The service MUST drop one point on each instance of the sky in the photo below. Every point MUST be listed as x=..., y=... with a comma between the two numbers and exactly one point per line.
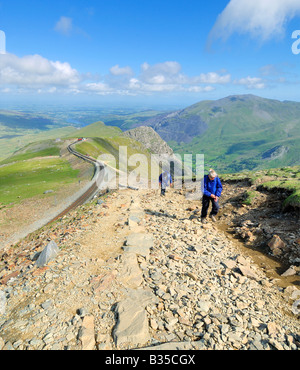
x=158, y=51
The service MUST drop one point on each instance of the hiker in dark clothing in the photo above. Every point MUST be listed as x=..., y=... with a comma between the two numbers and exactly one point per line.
x=165, y=179
x=212, y=190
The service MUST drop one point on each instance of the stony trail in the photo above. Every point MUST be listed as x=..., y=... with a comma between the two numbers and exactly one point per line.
x=136, y=270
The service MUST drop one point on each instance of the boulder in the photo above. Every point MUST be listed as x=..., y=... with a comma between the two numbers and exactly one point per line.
x=290, y=272
x=48, y=254
x=276, y=245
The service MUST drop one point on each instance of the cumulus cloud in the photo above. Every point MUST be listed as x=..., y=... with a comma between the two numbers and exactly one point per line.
x=261, y=19
x=251, y=83
x=161, y=73
x=158, y=78
x=212, y=78
x=119, y=71
x=34, y=71
x=169, y=75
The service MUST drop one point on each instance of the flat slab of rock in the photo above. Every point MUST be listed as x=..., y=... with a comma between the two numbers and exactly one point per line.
x=139, y=243
x=130, y=273
x=248, y=272
x=132, y=326
x=136, y=239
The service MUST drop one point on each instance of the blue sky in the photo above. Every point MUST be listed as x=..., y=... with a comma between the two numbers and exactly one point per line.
x=168, y=51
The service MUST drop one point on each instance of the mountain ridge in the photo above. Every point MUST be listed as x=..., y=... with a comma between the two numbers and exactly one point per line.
x=236, y=132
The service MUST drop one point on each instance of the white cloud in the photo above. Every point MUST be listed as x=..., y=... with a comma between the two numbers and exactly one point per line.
x=98, y=88
x=161, y=73
x=168, y=76
x=64, y=26
x=251, y=82
x=262, y=19
x=34, y=71
x=118, y=71
x=213, y=78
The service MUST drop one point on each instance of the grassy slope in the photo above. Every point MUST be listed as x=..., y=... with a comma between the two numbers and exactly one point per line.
x=26, y=179
x=34, y=169
x=97, y=129
x=100, y=146
x=107, y=140
x=286, y=179
x=241, y=131
x=24, y=137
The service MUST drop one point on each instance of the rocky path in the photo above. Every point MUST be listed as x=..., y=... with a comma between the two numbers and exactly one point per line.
x=136, y=270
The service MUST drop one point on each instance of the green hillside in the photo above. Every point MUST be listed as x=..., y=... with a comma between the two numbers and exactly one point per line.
x=97, y=129
x=37, y=149
x=236, y=133
x=16, y=139
x=33, y=170
x=97, y=146
x=286, y=180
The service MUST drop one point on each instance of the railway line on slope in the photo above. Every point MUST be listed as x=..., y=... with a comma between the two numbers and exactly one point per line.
x=92, y=190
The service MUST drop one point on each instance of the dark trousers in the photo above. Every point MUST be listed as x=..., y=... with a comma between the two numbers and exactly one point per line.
x=205, y=205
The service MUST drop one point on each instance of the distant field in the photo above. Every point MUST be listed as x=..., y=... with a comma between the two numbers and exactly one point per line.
x=54, y=151
x=19, y=138
x=26, y=179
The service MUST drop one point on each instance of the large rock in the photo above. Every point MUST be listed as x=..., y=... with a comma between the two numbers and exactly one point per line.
x=136, y=239
x=132, y=326
x=48, y=254
x=276, y=245
x=139, y=243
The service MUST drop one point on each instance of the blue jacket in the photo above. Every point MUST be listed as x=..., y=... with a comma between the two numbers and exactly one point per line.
x=210, y=187
x=165, y=179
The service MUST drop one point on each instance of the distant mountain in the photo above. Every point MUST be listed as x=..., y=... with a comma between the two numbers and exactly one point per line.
x=235, y=133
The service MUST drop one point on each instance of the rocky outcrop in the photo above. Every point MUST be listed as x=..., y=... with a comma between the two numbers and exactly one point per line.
x=150, y=139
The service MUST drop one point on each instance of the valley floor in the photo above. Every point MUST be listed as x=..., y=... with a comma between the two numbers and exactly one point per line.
x=136, y=270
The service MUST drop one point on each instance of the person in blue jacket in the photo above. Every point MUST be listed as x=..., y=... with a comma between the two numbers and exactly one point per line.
x=165, y=179
x=212, y=190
